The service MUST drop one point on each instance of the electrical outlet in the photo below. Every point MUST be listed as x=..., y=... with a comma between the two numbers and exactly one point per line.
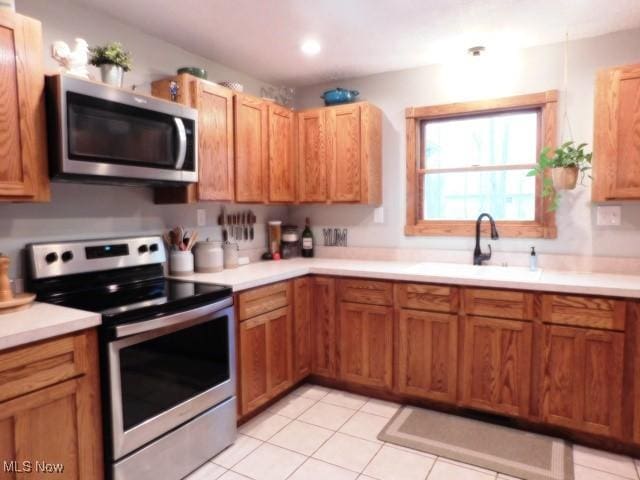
x=201, y=217
x=609, y=215
x=378, y=215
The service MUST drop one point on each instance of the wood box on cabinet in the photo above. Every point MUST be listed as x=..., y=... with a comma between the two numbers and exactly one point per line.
x=340, y=154
x=23, y=142
x=50, y=405
x=215, y=140
x=616, y=149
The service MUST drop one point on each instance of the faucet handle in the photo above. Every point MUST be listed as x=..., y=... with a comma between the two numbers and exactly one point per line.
x=488, y=255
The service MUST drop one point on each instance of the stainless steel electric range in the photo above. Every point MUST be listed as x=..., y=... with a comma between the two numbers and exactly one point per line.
x=167, y=352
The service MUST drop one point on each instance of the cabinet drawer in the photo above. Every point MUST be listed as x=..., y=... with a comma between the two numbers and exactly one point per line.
x=579, y=311
x=435, y=298
x=30, y=368
x=487, y=302
x=365, y=291
x=263, y=300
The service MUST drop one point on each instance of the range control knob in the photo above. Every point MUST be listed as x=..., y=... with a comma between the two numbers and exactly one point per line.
x=143, y=249
x=51, y=257
x=153, y=247
x=67, y=256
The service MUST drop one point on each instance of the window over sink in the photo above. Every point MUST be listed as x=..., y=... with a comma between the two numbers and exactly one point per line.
x=467, y=158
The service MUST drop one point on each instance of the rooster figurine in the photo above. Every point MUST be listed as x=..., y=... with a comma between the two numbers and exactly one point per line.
x=73, y=61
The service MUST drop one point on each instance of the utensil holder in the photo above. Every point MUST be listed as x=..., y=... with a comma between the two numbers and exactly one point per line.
x=181, y=263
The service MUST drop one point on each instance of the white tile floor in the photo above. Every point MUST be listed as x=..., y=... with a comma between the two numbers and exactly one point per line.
x=320, y=434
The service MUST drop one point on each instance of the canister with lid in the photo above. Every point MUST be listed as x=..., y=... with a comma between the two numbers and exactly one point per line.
x=209, y=257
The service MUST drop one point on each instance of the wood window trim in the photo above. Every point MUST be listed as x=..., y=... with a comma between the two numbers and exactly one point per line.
x=544, y=225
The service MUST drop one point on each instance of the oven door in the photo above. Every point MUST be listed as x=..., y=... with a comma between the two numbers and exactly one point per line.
x=165, y=371
x=115, y=134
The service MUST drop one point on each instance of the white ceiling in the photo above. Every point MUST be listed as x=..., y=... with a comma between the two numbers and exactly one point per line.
x=361, y=37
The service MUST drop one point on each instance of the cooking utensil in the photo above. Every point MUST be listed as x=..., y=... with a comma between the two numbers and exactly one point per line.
x=252, y=221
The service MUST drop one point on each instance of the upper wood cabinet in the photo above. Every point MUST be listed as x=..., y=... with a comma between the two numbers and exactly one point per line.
x=340, y=154
x=215, y=140
x=616, y=154
x=281, y=167
x=582, y=379
x=496, y=368
x=23, y=141
x=251, y=148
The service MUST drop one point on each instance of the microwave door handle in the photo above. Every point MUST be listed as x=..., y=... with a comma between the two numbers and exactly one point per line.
x=182, y=143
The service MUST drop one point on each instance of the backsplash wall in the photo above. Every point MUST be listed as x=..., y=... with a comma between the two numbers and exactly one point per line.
x=532, y=70
x=81, y=211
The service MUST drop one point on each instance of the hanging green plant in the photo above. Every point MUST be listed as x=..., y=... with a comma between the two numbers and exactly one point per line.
x=566, y=162
x=111, y=54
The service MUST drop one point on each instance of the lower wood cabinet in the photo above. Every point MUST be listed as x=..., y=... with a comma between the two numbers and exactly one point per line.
x=366, y=344
x=302, y=291
x=56, y=418
x=496, y=369
x=427, y=354
x=265, y=357
x=323, y=327
x=582, y=379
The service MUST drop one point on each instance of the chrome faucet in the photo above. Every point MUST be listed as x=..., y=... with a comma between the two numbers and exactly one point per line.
x=478, y=256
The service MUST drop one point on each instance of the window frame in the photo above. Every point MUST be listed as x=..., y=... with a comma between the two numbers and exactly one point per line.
x=544, y=223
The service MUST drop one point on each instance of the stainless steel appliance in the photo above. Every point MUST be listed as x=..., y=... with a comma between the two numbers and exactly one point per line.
x=104, y=134
x=167, y=352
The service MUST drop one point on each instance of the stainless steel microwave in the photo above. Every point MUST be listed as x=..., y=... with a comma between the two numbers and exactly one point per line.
x=102, y=134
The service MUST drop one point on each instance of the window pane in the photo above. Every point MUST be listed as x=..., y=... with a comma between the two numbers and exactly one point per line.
x=500, y=139
x=506, y=195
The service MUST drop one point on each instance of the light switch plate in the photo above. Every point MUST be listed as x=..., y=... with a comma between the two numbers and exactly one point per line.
x=608, y=215
x=201, y=217
x=378, y=215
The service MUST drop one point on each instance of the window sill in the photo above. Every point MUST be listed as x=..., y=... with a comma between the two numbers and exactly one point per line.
x=437, y=228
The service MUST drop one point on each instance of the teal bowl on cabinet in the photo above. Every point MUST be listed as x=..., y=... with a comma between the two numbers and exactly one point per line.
x=338, y=96
x=195, y=71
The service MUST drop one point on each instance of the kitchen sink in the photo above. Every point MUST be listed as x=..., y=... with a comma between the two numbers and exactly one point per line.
x=484, y=272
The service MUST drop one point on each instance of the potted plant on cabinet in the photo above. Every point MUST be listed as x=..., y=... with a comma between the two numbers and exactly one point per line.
x=113, y=61
x=565, y=162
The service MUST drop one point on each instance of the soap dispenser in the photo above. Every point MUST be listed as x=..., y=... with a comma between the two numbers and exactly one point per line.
x=533, y=260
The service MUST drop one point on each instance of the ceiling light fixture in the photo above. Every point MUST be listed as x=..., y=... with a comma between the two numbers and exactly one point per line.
x=476, y=51
x=310, y=47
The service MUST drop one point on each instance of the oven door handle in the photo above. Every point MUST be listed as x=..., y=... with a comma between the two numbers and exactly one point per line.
x=182, y=142
x=171, y=320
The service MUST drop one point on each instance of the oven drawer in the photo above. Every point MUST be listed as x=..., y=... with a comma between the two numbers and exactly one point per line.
x=263, y=300
x=39, y=365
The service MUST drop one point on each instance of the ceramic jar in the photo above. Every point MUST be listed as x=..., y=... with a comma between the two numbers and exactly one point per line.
x=180, y=262
x=209, y=257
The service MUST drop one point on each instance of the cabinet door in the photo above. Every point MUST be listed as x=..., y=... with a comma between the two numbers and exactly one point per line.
x=496, y=366
x=345, y=159
x=265, y=357
x=301, y=327
x=57, y=425
x=282, y=159
x=428, y=354
x=616, y=144
x=23, y=149
x=366, y=344
x=312, y=156
x=251, y=148
x=215, y=140
x=323, y=327
x=582, y=379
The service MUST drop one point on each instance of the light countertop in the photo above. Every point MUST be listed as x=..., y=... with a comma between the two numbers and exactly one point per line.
x=41, y=321
x=262, y=273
